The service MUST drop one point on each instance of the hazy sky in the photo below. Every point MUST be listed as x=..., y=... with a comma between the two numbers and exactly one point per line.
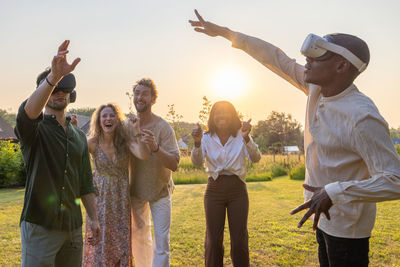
x=122, y=41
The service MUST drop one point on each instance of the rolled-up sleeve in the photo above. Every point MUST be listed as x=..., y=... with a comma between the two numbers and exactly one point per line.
x=197, y=156
x=253, y=152
x=371, y=139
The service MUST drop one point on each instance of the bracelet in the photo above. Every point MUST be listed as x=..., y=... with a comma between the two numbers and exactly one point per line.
x=137, y=135
x=158, y=148
x=47, y=80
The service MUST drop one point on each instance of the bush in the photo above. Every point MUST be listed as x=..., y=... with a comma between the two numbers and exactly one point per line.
x=278, y=170
x=298, y=173
x=12, y=171
x=397, y=146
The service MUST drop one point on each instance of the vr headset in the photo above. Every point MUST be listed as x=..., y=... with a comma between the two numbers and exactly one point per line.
x=315, y=46
x=67, y=85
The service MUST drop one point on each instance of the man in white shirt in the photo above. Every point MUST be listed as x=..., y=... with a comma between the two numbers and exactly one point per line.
x=350, y=159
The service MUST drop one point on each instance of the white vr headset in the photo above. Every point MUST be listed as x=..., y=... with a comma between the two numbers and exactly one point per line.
x=315, y=46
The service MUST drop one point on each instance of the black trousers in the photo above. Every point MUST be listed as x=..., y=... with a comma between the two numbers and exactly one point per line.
x=226, y=194
x=336, y=251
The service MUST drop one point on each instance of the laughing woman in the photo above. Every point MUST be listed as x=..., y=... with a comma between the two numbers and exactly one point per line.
x=225, y=147
x=111, y=151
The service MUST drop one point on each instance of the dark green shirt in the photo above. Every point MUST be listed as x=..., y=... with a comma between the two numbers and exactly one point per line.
x=58, y=171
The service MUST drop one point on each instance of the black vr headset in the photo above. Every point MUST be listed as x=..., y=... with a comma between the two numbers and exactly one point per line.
x=67, y=85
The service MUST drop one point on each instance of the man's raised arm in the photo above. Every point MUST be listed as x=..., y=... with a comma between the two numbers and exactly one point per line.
x=59, y=68
x=267, y=54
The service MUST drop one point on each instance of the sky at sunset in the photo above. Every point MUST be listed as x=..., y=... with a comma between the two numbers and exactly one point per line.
x=120, y=42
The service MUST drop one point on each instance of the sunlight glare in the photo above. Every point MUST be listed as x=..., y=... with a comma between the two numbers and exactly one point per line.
x=229, y=84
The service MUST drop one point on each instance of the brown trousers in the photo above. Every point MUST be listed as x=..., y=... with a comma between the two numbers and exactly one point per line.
x=227, y=193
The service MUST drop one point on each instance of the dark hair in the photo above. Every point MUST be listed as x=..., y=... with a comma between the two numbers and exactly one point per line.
x=148, y=83
x=235, y=123
x=42, y=75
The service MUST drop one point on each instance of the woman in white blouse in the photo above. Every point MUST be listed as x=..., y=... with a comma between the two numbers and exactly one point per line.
x=225, y=147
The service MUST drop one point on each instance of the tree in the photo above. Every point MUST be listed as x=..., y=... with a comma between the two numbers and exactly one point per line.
x=82, y=111
x=394, y=133
x=205, y=111
x=174, y=120
x=8, y=117
x=279, y=128
x=130, y=96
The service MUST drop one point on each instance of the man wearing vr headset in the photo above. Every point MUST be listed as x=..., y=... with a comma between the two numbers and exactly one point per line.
x=58, y=171
x=350, y=159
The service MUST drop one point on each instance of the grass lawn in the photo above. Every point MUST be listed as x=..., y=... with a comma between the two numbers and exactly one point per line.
x=274, y=239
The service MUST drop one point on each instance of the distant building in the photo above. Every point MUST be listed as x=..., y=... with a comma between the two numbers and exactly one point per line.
x=6, y=130
x=291, y=149
x=83, y=123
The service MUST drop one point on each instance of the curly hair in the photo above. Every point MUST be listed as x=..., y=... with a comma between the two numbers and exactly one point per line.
x=147, y=82
x=235, y=123
x=120, y=136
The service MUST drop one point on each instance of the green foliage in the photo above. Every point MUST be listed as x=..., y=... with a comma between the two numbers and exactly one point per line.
x=82, y=111
x=130, y=97
x=12, y=171
x=274, y=239
x=394, y=133
x=8, y=116
x=278, y=169
x=397, y=146
x=298, y=173
x=264, y=170
x=278, y=128
x=205, y=111
x=174, y=120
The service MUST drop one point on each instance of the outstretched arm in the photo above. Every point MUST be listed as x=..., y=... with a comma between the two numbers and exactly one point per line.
x=267, y=54
x=59, y=68
x=210, y=28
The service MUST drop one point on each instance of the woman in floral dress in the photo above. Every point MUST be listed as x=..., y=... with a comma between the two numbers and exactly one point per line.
x=112, y=149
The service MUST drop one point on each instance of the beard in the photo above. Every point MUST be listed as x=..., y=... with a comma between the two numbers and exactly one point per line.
x=57, y=105
x=142, y=108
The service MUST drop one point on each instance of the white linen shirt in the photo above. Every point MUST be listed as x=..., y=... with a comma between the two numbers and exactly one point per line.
x=347, y=145
x=227, y=159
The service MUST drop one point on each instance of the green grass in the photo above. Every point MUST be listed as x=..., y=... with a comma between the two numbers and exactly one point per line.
x=274, y=239
x=264, y=170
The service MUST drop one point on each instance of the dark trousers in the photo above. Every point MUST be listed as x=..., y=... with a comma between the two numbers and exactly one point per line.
x=227, y=193
x=343, y=252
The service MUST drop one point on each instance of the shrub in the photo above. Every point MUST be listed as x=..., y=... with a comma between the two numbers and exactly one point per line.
x=298, y=173
x=12, y=171
x=397, y=146
x=278, y=170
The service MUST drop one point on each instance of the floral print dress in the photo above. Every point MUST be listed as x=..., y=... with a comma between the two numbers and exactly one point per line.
x=111, y=181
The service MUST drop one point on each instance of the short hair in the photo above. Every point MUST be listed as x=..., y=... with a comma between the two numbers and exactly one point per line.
x=42, y=75
x=353, y=43
x=235, y=123
x=148, y=83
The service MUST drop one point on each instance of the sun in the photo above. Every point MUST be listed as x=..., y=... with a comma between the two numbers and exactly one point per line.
x=228, y=83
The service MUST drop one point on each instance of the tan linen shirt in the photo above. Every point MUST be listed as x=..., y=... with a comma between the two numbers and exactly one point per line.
x=347, y=144
x=150, y=179
x=227, y=159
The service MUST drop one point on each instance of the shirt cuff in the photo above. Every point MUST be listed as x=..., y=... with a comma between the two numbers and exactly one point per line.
x=251, y=145
x=335, y=193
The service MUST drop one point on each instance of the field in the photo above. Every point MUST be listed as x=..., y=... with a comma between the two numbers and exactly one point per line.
x=274, y=239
